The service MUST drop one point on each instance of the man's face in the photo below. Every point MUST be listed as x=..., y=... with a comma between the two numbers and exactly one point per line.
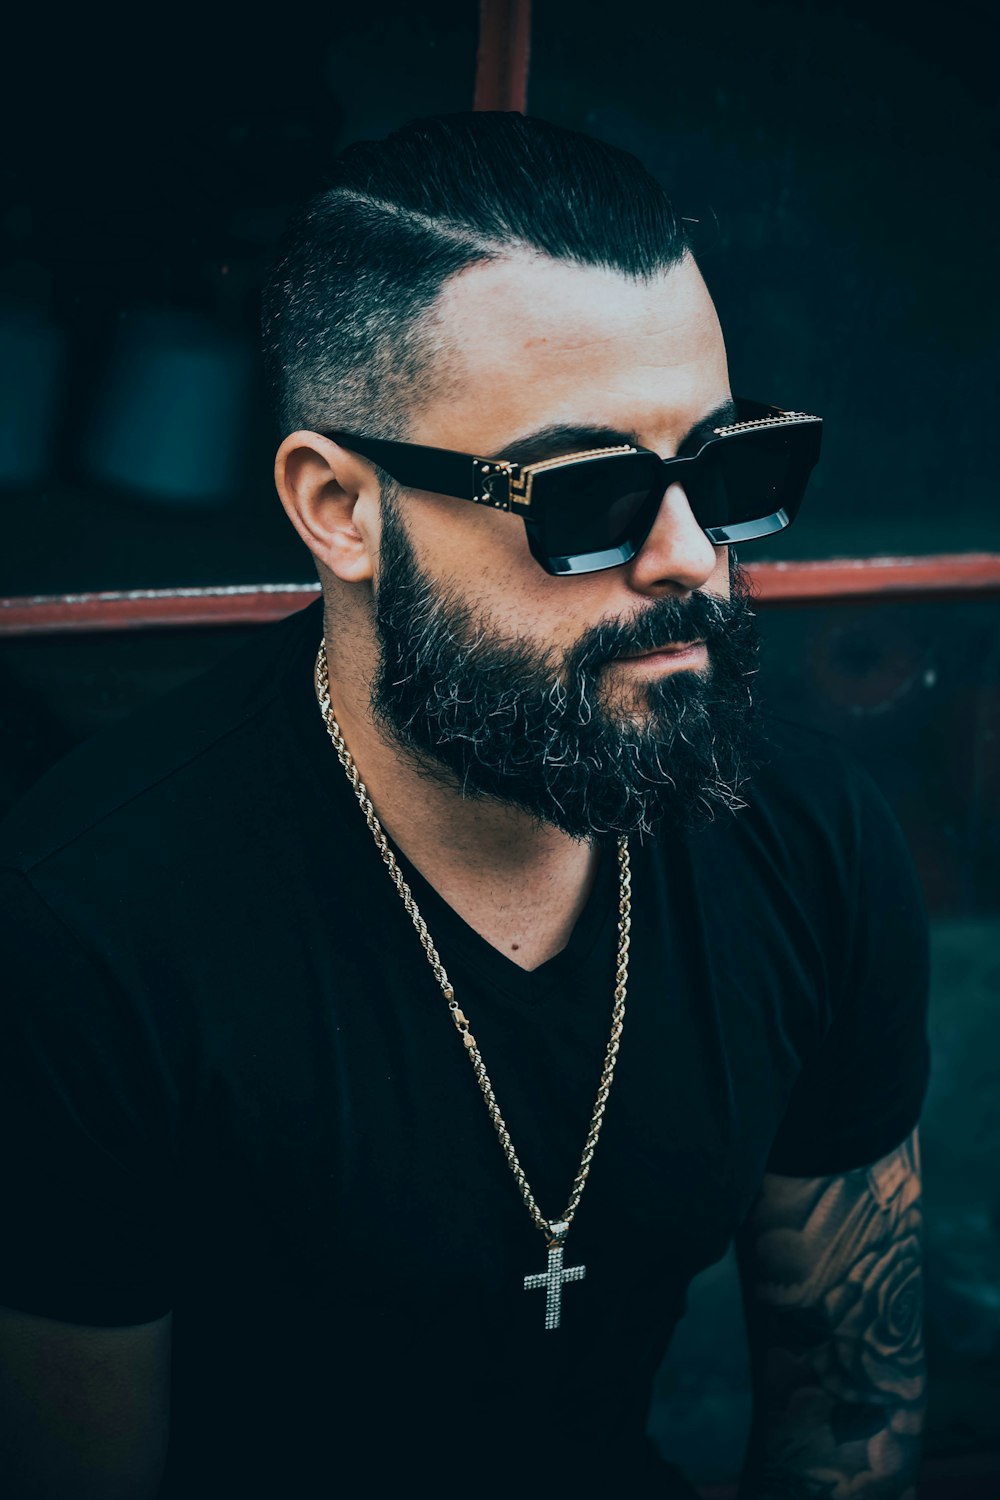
x=543, y=692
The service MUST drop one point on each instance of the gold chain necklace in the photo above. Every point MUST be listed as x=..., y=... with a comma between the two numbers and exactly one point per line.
x=555, y=1230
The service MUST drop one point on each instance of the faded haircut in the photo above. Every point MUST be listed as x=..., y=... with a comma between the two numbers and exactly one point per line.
x=348, y=328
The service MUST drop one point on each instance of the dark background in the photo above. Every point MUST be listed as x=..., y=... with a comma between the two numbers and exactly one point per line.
x=837, y=163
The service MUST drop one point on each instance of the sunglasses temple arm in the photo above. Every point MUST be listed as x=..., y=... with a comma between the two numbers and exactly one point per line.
x=440, y=470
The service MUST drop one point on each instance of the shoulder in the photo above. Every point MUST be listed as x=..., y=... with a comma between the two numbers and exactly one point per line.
x=816, y=790
x=814, y=869
x=810, y=807
x=798, y=767
x=137, y=772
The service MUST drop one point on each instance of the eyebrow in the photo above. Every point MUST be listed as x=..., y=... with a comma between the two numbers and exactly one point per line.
x=554, y=441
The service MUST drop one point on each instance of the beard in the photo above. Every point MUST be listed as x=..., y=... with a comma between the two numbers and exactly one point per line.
x=502, y=718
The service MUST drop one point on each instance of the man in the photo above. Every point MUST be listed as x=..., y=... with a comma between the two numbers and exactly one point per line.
x=403, y=1014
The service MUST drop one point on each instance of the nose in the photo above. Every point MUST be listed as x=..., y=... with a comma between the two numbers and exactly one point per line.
x=676, y=551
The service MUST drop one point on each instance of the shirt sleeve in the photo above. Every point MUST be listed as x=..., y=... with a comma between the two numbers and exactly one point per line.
x=86, y=1172
x=860, y=1093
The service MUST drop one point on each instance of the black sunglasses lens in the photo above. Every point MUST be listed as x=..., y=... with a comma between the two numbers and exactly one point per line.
x=749, y=478
x=597, y=506
x=598, y=513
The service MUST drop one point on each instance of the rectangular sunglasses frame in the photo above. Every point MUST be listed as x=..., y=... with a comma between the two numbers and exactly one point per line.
x=519, y=489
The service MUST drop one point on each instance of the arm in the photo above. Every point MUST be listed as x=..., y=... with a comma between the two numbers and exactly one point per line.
x=88, y=1219
x=84, y=1411
x=831, y=1276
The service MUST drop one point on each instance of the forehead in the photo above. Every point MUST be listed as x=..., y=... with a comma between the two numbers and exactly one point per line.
x=531, y=342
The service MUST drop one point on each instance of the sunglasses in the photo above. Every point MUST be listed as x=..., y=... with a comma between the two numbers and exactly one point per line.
x=589, y=511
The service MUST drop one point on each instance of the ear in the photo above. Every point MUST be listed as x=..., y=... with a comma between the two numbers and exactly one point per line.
x=331, y=498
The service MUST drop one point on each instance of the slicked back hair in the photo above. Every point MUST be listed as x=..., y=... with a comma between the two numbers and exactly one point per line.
x=348, y=340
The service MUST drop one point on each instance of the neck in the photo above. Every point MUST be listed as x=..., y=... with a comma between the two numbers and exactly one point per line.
x=520, y=884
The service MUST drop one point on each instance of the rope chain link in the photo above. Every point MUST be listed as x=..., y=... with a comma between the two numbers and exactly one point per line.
x=440, y=974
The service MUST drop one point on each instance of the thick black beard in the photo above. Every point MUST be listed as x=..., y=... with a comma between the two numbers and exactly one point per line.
x=503, y=719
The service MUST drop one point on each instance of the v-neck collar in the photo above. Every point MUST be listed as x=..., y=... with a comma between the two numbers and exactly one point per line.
x=506, y=978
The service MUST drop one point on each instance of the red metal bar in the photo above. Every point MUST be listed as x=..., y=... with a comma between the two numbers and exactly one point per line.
x=148, y=609
x=839, y=580
x=502, y=59
x=843, y=580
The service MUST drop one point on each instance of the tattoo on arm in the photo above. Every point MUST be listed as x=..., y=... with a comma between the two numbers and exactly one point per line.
x=831, y=1269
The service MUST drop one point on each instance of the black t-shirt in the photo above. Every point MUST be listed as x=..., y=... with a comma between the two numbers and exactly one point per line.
x=230, y=1086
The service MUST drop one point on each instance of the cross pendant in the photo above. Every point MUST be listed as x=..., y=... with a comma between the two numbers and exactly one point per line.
x=552, y=1279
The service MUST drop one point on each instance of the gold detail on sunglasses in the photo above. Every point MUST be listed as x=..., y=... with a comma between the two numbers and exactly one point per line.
x=779, y=420
x=521, y=482
x=492, y=483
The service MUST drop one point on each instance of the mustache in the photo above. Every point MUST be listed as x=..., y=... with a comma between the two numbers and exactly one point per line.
x=666, y=622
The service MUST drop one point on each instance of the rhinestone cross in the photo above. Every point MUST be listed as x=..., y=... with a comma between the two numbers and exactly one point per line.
x=552, y=1279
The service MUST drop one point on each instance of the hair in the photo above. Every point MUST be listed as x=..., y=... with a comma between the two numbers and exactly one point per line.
x=348, y=340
